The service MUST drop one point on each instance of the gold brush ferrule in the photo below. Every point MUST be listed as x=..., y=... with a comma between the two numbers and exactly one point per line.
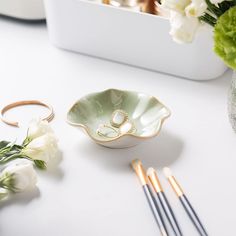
x=139, y=170
x=176, y=187
x=154, y=180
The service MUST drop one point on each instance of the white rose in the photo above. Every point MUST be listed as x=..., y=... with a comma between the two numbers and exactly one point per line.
x=43, y=148
x=197, y=8
x=37, y=128
x=176, y=5
x=22, y=177
x=183, y=28
x=216, y=1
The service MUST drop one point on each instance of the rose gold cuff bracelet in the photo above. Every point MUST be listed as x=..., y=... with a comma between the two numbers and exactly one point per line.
x=23, y=103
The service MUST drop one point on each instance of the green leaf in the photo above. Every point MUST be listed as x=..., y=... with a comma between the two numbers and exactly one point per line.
x=40, y=164
x=5, y=159
x=4, y=144
x=226, y=5
x=3, y=195
x=16, y=147
x=12, y=152
x=208, y=19
x=10, y=149
x=213, y=8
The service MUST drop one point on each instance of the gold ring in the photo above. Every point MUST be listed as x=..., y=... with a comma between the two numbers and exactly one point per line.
x=122, y=117
x=23, y=103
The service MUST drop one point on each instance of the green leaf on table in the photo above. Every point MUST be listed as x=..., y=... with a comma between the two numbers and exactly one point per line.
x=12, y=152
x=4, y=144
x=16, y=147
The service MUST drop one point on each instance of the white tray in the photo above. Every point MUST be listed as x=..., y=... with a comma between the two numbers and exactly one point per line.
x=23, y=9
x=129, y=37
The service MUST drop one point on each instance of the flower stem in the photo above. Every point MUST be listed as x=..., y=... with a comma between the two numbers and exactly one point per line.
x=208, y=19
x=26, y=141
x=10, y=158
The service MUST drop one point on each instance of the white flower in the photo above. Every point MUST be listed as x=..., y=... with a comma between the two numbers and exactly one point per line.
x=19, y=177
x=196, y=8
x=183, y=28
x=176, y=5
x=216, y=1
x=37, y=128
x=43, y=148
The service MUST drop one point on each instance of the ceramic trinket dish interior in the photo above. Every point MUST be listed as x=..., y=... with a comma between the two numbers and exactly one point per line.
x=118, y=119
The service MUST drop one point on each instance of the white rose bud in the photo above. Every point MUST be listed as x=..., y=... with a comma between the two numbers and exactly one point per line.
x=196, y=9
x=18, y=177
x=37, y=128
x=43, y=148
x=183, y=28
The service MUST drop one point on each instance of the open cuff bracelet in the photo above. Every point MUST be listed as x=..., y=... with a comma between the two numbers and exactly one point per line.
x=48, y=118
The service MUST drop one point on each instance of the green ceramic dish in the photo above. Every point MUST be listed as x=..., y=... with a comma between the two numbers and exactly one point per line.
x=145, y=112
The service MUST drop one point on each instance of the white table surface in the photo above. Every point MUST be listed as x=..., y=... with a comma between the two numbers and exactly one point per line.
x=94, y=191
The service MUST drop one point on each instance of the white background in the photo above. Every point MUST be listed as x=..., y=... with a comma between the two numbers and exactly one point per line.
x=94, y=191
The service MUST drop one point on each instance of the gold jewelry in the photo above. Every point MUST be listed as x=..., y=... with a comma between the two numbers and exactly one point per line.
x=107, y=131
x=120, y=125
x=127, y=128
x=118, y=118
x=23, y=103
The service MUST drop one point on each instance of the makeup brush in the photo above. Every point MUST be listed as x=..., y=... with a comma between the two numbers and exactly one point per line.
x=138, y=168
x=162, y=201
x=185, y=202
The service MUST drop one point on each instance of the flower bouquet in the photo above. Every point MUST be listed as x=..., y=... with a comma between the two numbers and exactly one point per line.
x=39, y=148
x=188, y=16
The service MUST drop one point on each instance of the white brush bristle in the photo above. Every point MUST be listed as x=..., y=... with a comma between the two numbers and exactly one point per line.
x=150, y=171
x=167, y=172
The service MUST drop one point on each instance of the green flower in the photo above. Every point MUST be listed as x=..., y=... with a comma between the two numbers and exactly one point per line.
x=225, y=37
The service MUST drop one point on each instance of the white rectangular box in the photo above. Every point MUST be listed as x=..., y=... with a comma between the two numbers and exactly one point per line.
x=130, y=37
x=23, y=9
